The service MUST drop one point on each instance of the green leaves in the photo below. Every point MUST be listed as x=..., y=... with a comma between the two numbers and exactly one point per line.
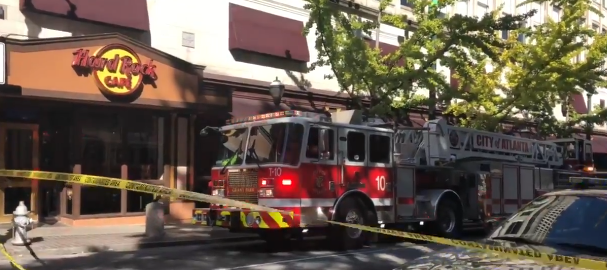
x=394, y=81
x=548, y=69
x=497, y=78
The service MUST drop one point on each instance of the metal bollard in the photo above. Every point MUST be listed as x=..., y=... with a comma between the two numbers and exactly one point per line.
x=21, y=220
x=154, y=219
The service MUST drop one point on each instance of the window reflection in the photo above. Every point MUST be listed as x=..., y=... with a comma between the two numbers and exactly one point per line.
x=142, y=152
x=111, y=141
x=14, y=195
x=101, y=142
x=18, y=149
x=18, y=155
x=558, y=220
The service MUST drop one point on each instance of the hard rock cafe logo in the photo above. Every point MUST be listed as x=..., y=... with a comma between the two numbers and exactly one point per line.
x=117, y=69
x=319, y=180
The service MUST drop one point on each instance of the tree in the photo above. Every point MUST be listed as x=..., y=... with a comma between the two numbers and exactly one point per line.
x=533, y=76
x=391, y=82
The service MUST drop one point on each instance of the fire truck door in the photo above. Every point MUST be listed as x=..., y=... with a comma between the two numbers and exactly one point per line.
x=379, y=168
x=352, y=160
x=319, y=166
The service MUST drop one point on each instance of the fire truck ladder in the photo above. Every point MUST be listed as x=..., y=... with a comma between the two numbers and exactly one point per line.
x=438, y=143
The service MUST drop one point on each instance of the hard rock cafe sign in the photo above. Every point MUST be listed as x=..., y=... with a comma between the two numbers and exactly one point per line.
x=117, y=69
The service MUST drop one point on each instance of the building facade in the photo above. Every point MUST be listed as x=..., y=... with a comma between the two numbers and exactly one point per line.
x=246, y=45
x=112, y=96
x=61, y=113
x=213, y=60
x=101, y=105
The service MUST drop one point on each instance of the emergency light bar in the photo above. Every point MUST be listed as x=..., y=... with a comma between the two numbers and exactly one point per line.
x=588, y=181
x=264, y=116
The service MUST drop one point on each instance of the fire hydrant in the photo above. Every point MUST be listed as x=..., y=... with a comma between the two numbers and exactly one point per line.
x=21, y=220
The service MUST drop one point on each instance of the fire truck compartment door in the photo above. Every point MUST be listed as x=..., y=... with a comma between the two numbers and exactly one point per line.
x=472, y=206
x=511, y=189
x=405, y=191
x=527, y=184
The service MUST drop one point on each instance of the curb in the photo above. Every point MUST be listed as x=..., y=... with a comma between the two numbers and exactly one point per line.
x=23, y=251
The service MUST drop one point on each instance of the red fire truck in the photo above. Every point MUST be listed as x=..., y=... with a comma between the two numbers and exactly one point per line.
x=344, y=168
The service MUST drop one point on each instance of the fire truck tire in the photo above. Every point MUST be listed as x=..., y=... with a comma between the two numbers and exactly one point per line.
x=449, y=219
x=350, y=210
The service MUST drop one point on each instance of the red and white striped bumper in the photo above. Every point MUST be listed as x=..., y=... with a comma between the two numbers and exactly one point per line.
x=241, y=219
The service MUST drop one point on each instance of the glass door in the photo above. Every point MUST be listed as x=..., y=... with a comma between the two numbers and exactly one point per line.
x=18, y=151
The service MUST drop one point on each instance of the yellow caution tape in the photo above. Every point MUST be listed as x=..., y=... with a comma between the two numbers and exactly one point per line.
x=116, y=183
x=10, y=258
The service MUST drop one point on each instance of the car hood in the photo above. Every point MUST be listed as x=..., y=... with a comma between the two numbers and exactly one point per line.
x=462, y=258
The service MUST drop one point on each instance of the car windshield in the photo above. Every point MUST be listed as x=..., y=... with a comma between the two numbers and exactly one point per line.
x=560, y=221
x=275, y=143
x=232, y=150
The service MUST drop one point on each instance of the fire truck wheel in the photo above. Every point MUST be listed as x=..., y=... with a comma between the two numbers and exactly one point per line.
x=449, y=221
x=351, y=210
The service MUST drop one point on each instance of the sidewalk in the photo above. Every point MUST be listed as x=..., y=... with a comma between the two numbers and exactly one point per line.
x=63, y=240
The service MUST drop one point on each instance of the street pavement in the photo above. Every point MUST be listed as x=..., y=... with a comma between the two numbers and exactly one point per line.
x=252, y=255
x=63, y=240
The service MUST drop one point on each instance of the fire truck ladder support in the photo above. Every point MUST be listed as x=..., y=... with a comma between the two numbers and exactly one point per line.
x=438, y=143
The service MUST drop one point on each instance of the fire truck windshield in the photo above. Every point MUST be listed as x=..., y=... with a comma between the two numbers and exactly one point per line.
x=275, y=143
x=233, y=147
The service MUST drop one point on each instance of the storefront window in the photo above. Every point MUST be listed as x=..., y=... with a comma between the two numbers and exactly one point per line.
x=111, y=142
x=101, y=155
x=18, y=150
x=143, y=147
x=55, y=150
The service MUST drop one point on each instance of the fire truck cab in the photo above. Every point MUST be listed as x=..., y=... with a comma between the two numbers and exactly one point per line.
x=348, y=169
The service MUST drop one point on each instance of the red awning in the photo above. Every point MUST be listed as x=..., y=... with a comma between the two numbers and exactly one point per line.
x=125, y=13
x=599, y=144
x=385, y=48
x=578, y=103
x=413, y=119
x=417, y=120
x=256, y=31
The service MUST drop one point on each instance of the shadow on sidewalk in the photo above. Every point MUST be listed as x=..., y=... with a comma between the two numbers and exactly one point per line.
x=226, y=257
x=94, y=246
x=9, y=234
x=152, y=254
